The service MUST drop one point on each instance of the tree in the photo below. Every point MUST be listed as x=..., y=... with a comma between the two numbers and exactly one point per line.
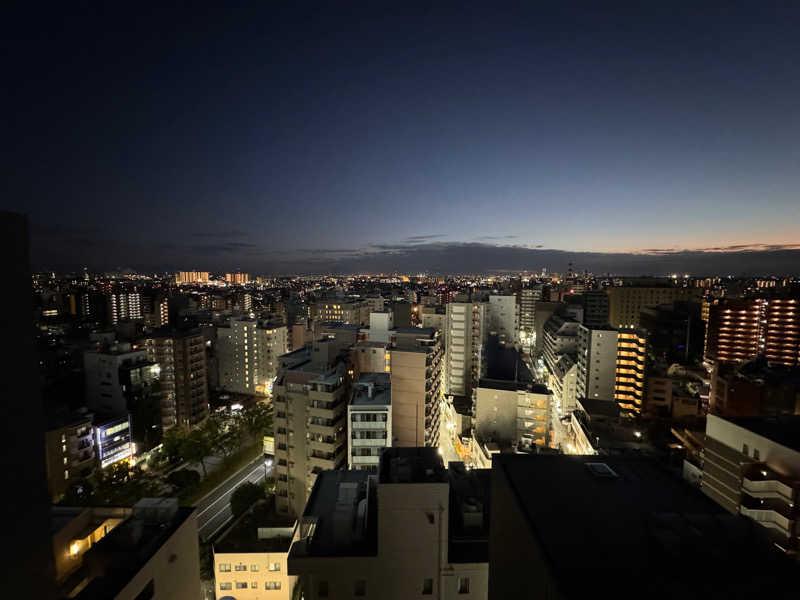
x=196, y=446
x=184, y=479
x=244, y=497
x=257, y=421
x=172, y=442
x=269, y=485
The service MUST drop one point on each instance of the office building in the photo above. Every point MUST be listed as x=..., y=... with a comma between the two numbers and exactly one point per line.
x=466, y=332
x=184, y=277
x=595, y=308
x=248, y=351
x=503, y=318
x=627, y=302
x=742, y=329
x=597, y=363
x=181, y=357
x=629, y=386
x=675, y=542
x=69, y=452
x=112, y=439
x=310, y=399
x=751, y=467
x=147, y=551
x=369, y=419
x=250, y=557
x=419, y=531
x=416, y=367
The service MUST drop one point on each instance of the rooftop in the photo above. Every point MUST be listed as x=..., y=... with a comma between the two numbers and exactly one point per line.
x=372, y=389
x=260, y=530
x=504, y=363
x=412, y=465
x=644, y=533
x=469, y=514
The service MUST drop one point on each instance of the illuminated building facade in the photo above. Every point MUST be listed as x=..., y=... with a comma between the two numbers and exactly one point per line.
x=248, y=352
x=184, y=277
x=237, y=278
x=629, y=387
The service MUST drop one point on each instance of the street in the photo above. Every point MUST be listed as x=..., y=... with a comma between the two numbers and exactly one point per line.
x=214, y=510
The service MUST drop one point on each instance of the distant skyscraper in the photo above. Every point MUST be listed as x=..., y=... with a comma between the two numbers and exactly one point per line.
x=183, y=277
x=237, y=278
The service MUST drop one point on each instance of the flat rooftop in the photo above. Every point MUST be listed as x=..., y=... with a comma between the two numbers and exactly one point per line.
x=372, y=389
x=783, y=429
x=243, y=535
x=626, y=527
x=505, y=363
x=411, y=465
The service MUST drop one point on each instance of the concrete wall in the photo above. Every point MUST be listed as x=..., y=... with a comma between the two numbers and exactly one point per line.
x=408, y=398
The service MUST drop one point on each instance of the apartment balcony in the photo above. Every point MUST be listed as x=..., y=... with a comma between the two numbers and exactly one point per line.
x=759, y=481
x=322, y=447
x=365, y=460
x=325, y=462
x=356, y=425
x=325, y=429
x=335, y=411
x=362, y=443
x=771, y=518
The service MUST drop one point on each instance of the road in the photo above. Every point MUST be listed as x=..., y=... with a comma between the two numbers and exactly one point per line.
x=214, y=510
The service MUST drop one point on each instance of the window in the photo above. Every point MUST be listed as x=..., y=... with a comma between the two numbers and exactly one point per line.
x=463, y=585
x=427, y=587
x=253, y=585
x=240, y=567
x=254, y=568
x=745, y=450
x=225, y=567
x=272, y=585
x=274, y=567
x=360, y=588
x=241, y=585
x=322, y=589
x=226, y=585
x=756, y=454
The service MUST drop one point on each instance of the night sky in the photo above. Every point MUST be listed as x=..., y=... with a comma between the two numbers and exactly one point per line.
x=288, y=137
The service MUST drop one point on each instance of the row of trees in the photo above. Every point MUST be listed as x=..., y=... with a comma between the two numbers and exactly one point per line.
x=221, y=434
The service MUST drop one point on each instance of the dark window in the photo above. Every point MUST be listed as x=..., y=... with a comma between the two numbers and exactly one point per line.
x=322, y=589
x=360, y=588
x=427, y=587
x=148, y=591
x=463, y=585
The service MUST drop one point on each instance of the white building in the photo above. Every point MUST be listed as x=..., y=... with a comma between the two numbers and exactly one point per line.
x=380, y=326
x=369, y=418
x=104, y=390
x=512, y=414
x=248, y=352
x=503, y=316
x=597, y=363
x=124, y=306
x=466, y=333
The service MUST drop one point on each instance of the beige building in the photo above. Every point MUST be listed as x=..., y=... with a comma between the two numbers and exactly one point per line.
x=348, y=311
x=372, y=357
x=466, y=333
x=248, y=351
x=310, y=398
x=512, y=414
x=181, y=356
x=237, y=278
x=416, y=367
x=250, y=557
x=148, y=551
x=420, y=531
x=626, y=303
x=183, y=277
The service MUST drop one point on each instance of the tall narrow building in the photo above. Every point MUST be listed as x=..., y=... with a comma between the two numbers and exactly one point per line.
x=184, y=388
x=630, y=376
x=503, y=318
x=310, y=397
x=466, y=333
x=597, y=363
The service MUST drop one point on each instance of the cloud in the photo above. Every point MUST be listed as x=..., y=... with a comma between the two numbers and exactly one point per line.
x=717, y=249
x=497, y=237
x=418, y=239
x=231, y=233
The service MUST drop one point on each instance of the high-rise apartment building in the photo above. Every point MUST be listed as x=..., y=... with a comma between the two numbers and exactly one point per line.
x=183, y=277
x=528, y=297
x=237, y=278
x=503, y=318
x=742, y=329
x=69, y=451
x=349, y=312
x=627, y=302
x=416, y=367
x=123, y=306
x=310, y=398
x=155, y=309
x=248, y=350
x=466, y=333
x=181, y=357
x=369, y=418
x=629, y=388
x=597, y=363
x=595, y=308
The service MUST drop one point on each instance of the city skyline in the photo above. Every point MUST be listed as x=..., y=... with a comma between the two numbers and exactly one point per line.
x=278, y=139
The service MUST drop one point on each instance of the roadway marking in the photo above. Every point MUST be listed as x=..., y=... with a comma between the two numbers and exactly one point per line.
x=260, y=467
x=200, y=501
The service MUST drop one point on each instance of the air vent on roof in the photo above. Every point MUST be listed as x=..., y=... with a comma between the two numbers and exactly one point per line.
x=601, y=470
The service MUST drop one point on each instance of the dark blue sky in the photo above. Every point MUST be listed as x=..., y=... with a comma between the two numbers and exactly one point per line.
x=286, y=136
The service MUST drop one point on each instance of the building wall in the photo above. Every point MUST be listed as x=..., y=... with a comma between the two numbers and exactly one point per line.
x=248, y=355
x=626, y=303
x=70, y=455
x=174, y=569
x=629, y=387
x=408, y=397
x=508, y=416
x=257, y=565
x=597, y=363
x=466, y=332
x=103, y=387
x=357, y=426
x=503, y=316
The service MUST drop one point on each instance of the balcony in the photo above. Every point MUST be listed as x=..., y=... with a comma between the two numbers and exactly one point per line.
x=368, y=443
x=365, y=460
x=355, y=425
x=771, y=488
x=770, y=517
